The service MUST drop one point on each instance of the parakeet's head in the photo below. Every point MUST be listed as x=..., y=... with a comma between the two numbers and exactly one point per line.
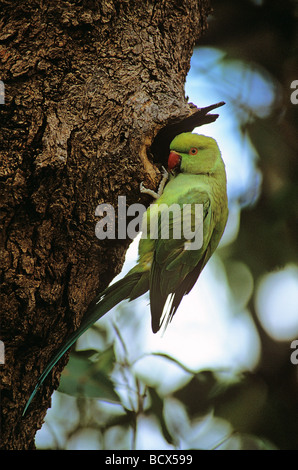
x=194, y=153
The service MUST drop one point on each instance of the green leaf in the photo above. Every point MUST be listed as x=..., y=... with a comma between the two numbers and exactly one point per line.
x=157, y=409
x=86, y=375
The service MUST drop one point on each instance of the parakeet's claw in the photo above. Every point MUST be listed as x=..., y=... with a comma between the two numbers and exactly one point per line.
x=165, y=176
x=142, y=188
x=165, y=173
x=156, y=195
x=148, y=191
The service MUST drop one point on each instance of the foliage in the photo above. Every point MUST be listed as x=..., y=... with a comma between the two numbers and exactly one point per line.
x=194, y=416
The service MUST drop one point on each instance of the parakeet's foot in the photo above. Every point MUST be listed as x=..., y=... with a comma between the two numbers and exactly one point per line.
x=165, y=176
x=148, y=191
x=161, y=186
x=165, y=173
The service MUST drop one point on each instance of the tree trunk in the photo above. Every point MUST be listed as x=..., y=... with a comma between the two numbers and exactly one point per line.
x=88, y=87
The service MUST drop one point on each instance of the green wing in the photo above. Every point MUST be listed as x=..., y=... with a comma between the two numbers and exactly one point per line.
x=174, y=269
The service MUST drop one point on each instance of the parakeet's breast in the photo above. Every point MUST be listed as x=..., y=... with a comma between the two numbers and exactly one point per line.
x=180, y=189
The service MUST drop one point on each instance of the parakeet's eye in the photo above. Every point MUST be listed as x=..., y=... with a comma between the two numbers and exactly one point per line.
x=193, y=151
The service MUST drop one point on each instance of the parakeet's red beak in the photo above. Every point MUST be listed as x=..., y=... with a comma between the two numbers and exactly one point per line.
x=174, y=160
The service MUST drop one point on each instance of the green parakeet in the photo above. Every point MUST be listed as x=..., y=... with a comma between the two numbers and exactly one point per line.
x=166, y=266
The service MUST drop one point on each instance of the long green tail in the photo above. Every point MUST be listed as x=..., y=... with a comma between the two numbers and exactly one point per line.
x=123, y=289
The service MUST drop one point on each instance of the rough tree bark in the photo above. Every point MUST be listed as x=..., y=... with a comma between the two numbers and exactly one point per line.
x=94, y=90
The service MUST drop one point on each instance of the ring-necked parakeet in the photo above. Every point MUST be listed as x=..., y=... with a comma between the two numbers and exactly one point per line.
x=165, y=266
